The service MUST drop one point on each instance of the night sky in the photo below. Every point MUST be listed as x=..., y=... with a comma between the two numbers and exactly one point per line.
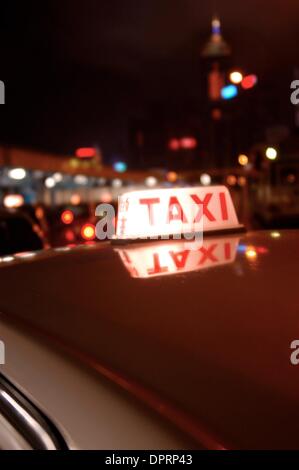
x=76, y=72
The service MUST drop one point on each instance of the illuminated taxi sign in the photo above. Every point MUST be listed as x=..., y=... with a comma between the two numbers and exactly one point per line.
x=176, y=257
x=179, y=211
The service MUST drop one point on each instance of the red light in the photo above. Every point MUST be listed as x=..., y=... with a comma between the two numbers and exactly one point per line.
x=188, y=143
x=70, y=236
x=88, y=232
x=91, y=243
x=67, y=217
x=249, y=82
x=174, y=144
x=85, y=152
x=262, y=250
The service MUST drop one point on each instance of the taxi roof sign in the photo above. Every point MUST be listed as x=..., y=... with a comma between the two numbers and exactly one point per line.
x=149, y=260
x=175, y=212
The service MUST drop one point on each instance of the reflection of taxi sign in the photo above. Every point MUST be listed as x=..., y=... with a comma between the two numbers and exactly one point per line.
x=179, y=211
x=175, y=257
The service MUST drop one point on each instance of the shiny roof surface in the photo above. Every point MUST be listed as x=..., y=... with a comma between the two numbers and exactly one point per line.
x=207, y=343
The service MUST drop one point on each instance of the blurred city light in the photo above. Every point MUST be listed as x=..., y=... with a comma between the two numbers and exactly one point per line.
x=38, y=174
x=216, y=114
x=172, y=176
x=25, y=254
x=216, y=26
x=291, y=178
x=231, y=180
x=81, y=179
x=39, y=212
x=106, y=197
x=75, y=199
x=7, y=259
x=50, y=182
x=242, y=181
x=228, y=92
x=58, y=177
x=251, y=253
x=271, y=153
x=67, y=217
x=86, y=152
x=13, y=201
x=188, y=143
x=102, y=181
x=275, y=235
x=174, y=144
x=120, y=167
x=205, y=179
x=243, y=160
x=117, y=183
x=151, y=181
x=262, y=250
x=88, y=232
x=17, y=173
x=241, y=248
x=249, y=82
x=236, y=77
x=70, y=236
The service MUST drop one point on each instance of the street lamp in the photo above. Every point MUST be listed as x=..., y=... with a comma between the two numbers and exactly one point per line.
x=271, y=153
x=243, y=160
x=205, y=179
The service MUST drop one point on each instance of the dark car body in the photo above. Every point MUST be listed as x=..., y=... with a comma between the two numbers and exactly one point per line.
x=204, y=347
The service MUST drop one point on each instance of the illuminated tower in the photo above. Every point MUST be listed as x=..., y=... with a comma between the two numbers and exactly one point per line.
x=216, y=55
x=216, y=47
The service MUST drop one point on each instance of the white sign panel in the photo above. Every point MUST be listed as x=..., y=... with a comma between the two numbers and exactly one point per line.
x=163, y=212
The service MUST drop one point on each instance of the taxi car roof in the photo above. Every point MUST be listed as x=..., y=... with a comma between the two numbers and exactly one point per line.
x=209, y=349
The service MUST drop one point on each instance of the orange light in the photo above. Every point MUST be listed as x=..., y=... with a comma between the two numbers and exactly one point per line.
x=75, y=199
x=106, y=197
x=85, y=152
x=231, y=180
x=67, y=217
x=243, y=160
x=172, y=176
x=251, y=253
x=88, y=232
x=242, y=181
x=39, y=212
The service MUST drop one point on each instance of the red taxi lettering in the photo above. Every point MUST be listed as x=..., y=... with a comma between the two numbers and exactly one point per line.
x=227, y=251
x=207, y=254
x=223, y=206
x=203, y=207
x=157, y=269
x=202, y=204
x=174, y=203
x=149, y=203
x=179, y=259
